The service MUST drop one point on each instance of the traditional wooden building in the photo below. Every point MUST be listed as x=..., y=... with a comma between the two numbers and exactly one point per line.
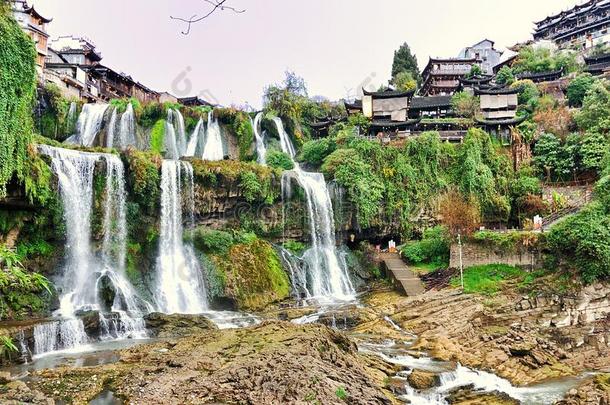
x=582, y=26
x=386, y=104
x=69, y=77
x=353, y=108
x=499, y=112
x=598, y=65
x=430, y=107
x=35, y=25
x=442, y=76
x=112, y=84
x=195, y=101
x=540, y=77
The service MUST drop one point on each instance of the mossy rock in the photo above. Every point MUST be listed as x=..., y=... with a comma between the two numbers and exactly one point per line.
x=253, y=275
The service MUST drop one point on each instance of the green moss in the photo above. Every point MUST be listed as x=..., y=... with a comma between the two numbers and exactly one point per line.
x=143, y=171
x=253, y=275
x=488, y=279
x=157, y=136
x=212, y=241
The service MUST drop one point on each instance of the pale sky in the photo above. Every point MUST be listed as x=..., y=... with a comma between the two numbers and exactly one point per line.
x=335, y=45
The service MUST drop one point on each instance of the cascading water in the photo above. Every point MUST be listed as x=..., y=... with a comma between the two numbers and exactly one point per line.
x=84, y=273
x=89, y=124
x=71, y=117
x=261, y=150
x=196, y=141
x=111, y=129
x=327, y=272
x=213, y=148
x=175, y=135
x=127, y=128
x=179, y=287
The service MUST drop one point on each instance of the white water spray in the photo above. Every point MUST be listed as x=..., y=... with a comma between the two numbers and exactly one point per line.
x=261, y=149
x=89, y=124
x=327, y=273
x=213, y=149
x=179, y=287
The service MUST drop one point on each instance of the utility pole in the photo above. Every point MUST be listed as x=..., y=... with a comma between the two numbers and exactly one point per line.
x=461, y=263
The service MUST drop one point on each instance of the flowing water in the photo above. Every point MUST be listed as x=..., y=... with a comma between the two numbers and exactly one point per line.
x=327, y=275
x=179, y=286
x=175, y=135
x=127, y=128
x=89, y=124
x=197, y=140
x=111, y=129
x=261, y=150
x=84, y=272
x=213, y=148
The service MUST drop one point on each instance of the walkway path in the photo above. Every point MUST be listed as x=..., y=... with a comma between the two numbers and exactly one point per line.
x=403, y=278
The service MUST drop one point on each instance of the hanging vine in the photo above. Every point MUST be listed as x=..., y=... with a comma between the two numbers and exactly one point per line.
x=17, y=87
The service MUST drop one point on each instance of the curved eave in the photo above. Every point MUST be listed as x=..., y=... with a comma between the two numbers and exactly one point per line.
x=388, y=94
x=35, y=13
x=477, y=80
x=496, y=91
x=396, y=124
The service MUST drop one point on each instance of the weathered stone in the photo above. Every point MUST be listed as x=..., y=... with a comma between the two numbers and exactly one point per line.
x=174, y=325
x=423, y=380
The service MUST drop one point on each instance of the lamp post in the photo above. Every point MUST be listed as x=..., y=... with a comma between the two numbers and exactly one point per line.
x=461, y=263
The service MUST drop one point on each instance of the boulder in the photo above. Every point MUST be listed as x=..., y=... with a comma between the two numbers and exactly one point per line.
x=163, y=325
x=423, y=380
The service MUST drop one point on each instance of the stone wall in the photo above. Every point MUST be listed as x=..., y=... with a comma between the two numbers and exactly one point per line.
x=476, y=254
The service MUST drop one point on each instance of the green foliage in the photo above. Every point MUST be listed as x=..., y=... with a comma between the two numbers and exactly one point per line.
x=602, y=192
x=528, y=93
x=578, y=88
x=144, y=179
x=240, y=124
x=7, y=345
x=20, y=292
x=540, y=59
x=505, y=76
x=465, y=104
x=253, y=189
x=555, y=158
x=295, y=247
x=54, y=123
x=212, y=241
x=404, y=81
x=341, y=394
x=279, y=160
x=507, y=241
x=475, y=70
x=582, y=242
x=157, y=137
x=488, y=279
x=405, y=61
x=314, y=152
x=594, y=149
x=595, y=112
x=151, y=114
x=17, y=87
x=37, y=182
x=432, y=248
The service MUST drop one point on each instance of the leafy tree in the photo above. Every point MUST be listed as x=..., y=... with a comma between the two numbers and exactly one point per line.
x=404, y=81
x=546, y=153
x=465, y=104
x=475, y=70
x=540, y=59
x=558, y=121
x=578, y=88
x=594, y=150
x=505, y=76
x=459, y=214
x=595, y=112
x=528, y=93
x=405, y=61
x=314, y=152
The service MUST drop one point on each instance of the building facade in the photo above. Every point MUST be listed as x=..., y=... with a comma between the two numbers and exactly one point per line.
x=35, y=25
x=580, y=27
x=442, y=76
x=485, y=53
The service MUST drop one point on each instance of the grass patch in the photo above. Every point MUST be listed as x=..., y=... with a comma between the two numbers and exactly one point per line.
x=488, y=279
x=425, y=268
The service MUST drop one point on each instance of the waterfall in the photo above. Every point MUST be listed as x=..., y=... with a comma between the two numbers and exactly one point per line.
x=59, y=335
x=179, y=287
x=111, y=129
x=327, y=272
x=213, y=149
x=127, y=128
x=175, y=135
x=89, y=124
x=84, y=273
x=298, y=273
x=197, y=140
x=71, y=117
x=261, y=150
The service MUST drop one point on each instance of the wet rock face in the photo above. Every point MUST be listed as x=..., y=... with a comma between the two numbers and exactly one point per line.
x=271, y=363
x=595, y=390
x=467, y=396
x=18, y=393
x=423, y=380
x=175, y=325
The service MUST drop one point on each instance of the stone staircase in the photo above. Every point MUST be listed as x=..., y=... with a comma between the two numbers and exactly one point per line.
x=403, y=278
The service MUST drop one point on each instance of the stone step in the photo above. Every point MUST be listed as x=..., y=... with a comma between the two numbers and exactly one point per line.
x=405, y=278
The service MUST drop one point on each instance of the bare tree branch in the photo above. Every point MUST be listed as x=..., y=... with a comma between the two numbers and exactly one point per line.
x=216, y=5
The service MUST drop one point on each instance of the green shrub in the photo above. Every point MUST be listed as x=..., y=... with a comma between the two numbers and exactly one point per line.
x=432, y=248
x=212, y=241
x=578, y=88
x=279, y=160
x=314, y=152
x=157, y=137
x=295, y=247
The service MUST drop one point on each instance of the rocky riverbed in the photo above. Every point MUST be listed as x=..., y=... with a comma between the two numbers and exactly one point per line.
x=383, y=349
